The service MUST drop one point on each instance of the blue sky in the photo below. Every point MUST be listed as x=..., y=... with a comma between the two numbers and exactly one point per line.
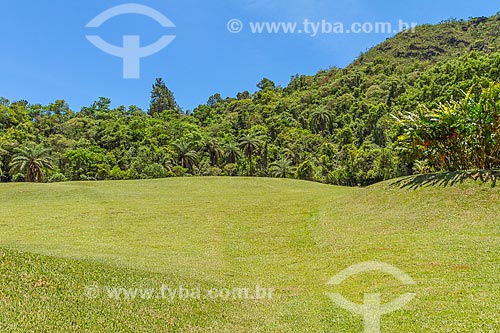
x=45, y=55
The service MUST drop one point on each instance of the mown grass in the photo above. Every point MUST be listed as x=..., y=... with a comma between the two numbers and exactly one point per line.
x=205, y=233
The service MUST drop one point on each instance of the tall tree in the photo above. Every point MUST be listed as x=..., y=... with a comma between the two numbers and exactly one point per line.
x=31, y=161
x=215, y=151
x=2, y=151
x=232, y=152
x=249, y=143
x=162, y=98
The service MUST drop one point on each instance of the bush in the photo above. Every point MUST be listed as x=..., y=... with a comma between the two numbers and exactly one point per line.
x=179, y=171
x=18, y=178
x=230, y=170
x=214, y=171
x=118, y=174
x=154, y=170
x=57, y=178
x=305, y=171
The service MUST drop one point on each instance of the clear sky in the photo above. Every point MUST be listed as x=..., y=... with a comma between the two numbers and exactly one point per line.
x=45, y=55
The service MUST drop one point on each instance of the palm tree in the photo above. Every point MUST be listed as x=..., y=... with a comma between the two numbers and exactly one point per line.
x=232, y=152
x=282, y=168
x=188, y=156
x=215, y=151
x=320, y=120
x=31, y=161
x=249, y=143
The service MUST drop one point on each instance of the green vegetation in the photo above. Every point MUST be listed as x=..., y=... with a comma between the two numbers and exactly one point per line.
x=336, y=123
x=224, y=233
x=31, y=162
x=461, y=135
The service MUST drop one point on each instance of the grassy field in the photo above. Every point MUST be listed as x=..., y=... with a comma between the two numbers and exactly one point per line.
x=64, y=247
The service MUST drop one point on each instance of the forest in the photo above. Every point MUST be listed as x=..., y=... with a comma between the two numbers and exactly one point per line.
x=419, y=102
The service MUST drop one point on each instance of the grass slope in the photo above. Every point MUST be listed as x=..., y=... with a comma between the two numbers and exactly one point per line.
x=205, y=233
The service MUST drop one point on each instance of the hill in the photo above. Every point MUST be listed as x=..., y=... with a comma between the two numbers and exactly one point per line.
x=433, y=43
x=78, y=241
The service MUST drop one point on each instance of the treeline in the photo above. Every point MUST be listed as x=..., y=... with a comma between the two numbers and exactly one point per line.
x=335, y=127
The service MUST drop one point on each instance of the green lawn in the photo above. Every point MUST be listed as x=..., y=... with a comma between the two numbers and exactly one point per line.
x=56, y=240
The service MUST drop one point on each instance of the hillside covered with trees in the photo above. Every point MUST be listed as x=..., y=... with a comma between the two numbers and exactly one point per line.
x=341, y=126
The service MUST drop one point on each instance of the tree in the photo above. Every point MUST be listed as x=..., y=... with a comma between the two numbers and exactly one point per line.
x=282, y=168
x=249, y=143
x=265, y=84
x=321, y=120
x=215, y=151
x=243, y=95
x=305, y=171
x=214, y=100
x=186, y=153
x=2, y=151
x=232, y=152
x=31, y=161
x=162, y=98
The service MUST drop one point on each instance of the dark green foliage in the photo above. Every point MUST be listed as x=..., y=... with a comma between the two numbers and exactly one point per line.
x=162, y=99
x=305, y=171
x=266, y=84
x=57, y=178
x=154, y=170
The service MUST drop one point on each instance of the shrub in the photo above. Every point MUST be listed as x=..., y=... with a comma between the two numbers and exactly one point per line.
x=154, y=170
x=179, y=171
x=305, y=171
x=118, y=174
x=57, y=178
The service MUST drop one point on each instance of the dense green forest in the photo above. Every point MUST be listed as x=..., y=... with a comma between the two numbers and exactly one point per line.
x=340, y=126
